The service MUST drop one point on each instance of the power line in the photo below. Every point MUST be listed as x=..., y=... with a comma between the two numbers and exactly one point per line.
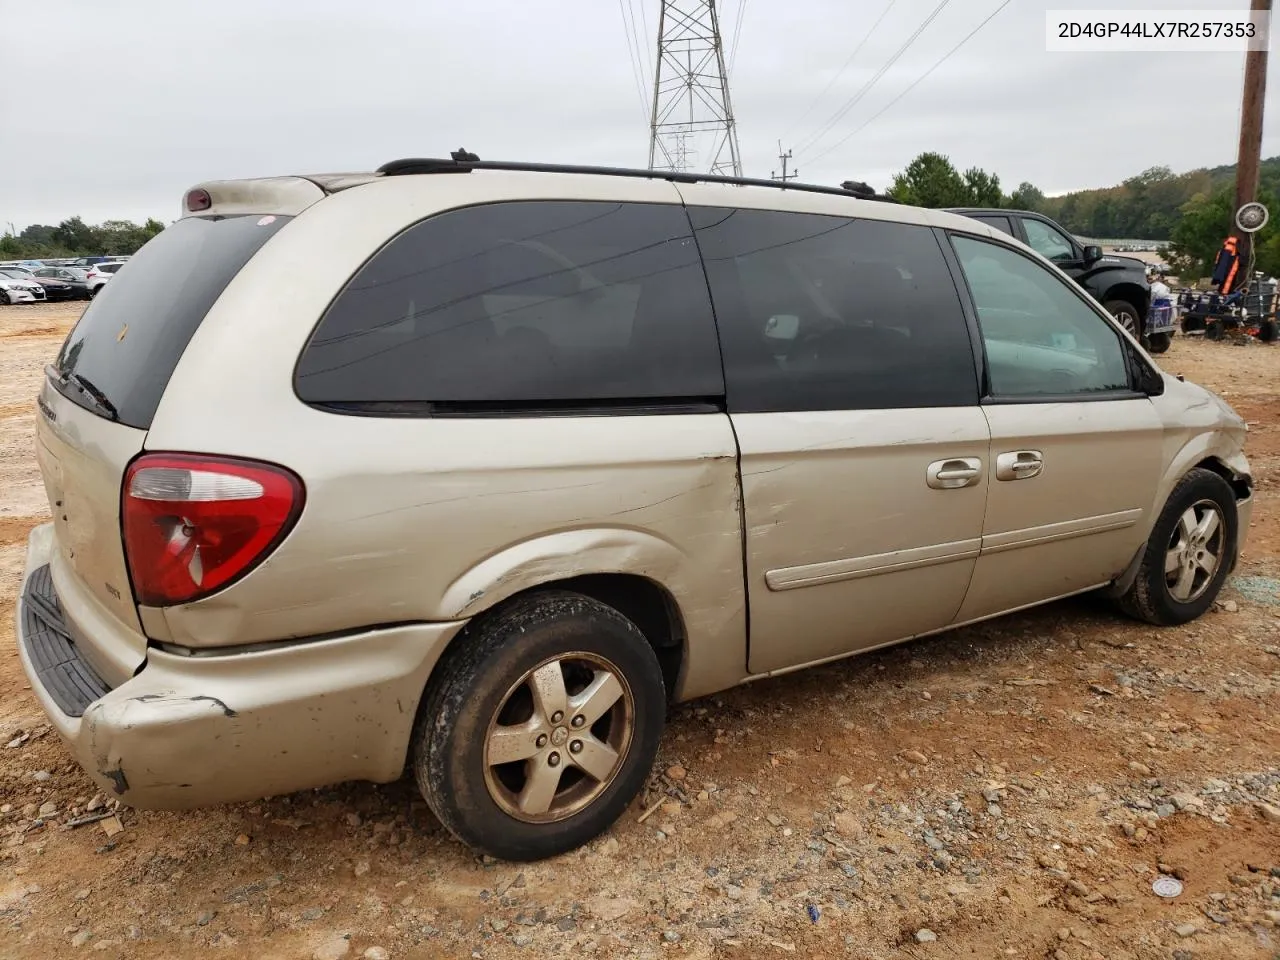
x=737, y=35
x=644, y=21
x=853, y=101
x=641, y=43
x=912, y=86
x=631, y=55
x=839, y=73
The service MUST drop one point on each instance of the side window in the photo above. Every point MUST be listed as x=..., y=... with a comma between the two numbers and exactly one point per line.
x=523, y=304
x=827, y=313
x=1000, y=223
x=1047, y=241
x=1041, y=339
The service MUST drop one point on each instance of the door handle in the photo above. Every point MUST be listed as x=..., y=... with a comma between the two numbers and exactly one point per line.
x=1019, y=465
x=953, y=474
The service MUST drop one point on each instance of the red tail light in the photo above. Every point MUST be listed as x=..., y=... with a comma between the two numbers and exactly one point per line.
x=195, y=524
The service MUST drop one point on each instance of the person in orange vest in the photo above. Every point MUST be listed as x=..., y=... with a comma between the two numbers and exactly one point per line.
x=1226, y=267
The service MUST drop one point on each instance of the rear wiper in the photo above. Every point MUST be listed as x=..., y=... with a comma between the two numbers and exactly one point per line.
x=86, y=387
x=95, y=394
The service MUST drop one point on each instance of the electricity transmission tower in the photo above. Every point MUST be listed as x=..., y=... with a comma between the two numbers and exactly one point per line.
x=691, y=89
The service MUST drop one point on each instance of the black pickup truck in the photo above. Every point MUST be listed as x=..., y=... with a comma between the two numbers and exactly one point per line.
x=1118, y=283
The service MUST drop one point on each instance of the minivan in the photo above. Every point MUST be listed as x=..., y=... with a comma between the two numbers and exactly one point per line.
x=472, y=468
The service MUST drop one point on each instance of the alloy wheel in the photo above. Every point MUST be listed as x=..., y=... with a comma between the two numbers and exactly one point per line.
x=559, y=737
x=1195, y=551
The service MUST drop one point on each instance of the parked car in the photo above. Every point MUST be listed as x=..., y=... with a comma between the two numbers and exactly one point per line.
x=99, y=274
x=17, y=286
x=1118, y=283
x=477, y=472
x=56, y=289
x=77, y=279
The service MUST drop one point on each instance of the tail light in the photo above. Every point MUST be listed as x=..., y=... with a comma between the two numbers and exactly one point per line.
x=195, y=524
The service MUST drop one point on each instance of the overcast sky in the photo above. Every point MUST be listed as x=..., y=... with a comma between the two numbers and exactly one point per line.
x=112, y=109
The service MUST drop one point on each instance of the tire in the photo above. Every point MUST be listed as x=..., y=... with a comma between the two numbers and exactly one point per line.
x=489, y=677
x=1159, y=342
x=5, y=299
x=1152, y=597
x=1127, y=315
x=1267, y=331
x=1213, y=330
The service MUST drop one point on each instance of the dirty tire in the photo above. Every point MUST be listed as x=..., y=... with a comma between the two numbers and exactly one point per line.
x=469, y=688
x=1213, y=330
x=1149, y=598
x=1127, y=315
x=1159, y=342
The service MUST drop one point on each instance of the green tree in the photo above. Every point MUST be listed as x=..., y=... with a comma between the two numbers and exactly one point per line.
x=1027, y=197
x=983, y=187
x=931, y=180
x=74, y=235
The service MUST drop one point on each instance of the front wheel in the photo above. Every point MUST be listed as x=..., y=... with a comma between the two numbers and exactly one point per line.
x=1189, y=554
x=6, y=299
x=1159, y=342
x=1127, y=315
x=541, y=726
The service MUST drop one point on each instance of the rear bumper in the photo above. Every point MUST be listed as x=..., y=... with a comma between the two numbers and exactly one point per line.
x=188, y=731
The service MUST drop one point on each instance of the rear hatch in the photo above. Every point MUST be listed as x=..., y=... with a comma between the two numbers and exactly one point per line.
x=98, y=401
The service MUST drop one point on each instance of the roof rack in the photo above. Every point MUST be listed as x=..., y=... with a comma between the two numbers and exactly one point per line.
x=462, y=161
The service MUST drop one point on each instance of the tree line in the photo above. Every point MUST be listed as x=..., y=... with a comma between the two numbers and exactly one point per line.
x=1191, y=211
x=75, y=238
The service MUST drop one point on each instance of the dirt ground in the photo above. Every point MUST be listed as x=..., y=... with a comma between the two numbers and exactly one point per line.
x=1007, y=790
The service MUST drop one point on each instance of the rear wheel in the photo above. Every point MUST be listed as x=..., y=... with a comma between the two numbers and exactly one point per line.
x=5, y=299
x=1127, y=315
x=1159, y=342
x=1189, y=554
x=541, y=727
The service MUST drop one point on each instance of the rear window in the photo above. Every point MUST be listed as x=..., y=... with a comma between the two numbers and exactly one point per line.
x=128, y=341
x=532, y=306
x=109, y=267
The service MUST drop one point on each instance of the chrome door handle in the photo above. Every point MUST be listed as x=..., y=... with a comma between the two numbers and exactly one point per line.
x=953, y=474
x=1019, y=465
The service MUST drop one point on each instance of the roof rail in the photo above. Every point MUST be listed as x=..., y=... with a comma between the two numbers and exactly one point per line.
x=462, y=161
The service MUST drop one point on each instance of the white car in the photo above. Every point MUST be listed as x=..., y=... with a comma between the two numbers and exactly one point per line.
x=99, y=274
x=19, y=286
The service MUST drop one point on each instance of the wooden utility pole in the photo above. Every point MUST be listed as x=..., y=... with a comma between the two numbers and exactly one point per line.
x=785, y=158
x=1250, y=156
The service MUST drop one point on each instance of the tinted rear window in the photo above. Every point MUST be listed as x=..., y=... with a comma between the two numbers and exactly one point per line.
x=130, y=338
x=523, y=306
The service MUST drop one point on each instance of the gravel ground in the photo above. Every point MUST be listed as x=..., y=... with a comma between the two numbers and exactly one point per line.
x=1007, y=790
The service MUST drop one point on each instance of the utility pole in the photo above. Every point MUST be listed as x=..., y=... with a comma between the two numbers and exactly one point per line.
x=1250, y=156
x=784, y=158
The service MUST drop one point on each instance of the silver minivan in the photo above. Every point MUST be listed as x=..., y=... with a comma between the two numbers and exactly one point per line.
x=473, y=468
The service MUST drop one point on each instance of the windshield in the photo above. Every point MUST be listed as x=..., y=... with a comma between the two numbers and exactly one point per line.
x=130, y=339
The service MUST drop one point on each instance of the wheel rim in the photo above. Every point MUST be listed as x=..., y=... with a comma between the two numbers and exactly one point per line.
x=1128, y=320
x=559, y=737
x=1195, y=551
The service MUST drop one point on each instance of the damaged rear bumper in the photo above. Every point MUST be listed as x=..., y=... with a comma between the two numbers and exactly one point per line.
x=191, y=730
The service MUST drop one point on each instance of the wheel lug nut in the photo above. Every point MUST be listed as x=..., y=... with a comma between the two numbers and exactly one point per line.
x=579, y=720
x=557, y=716
x=554, y=760
x=575, y=747
x=542, y=740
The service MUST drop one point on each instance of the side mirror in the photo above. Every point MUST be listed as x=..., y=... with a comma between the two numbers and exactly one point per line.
x=1092, y=253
